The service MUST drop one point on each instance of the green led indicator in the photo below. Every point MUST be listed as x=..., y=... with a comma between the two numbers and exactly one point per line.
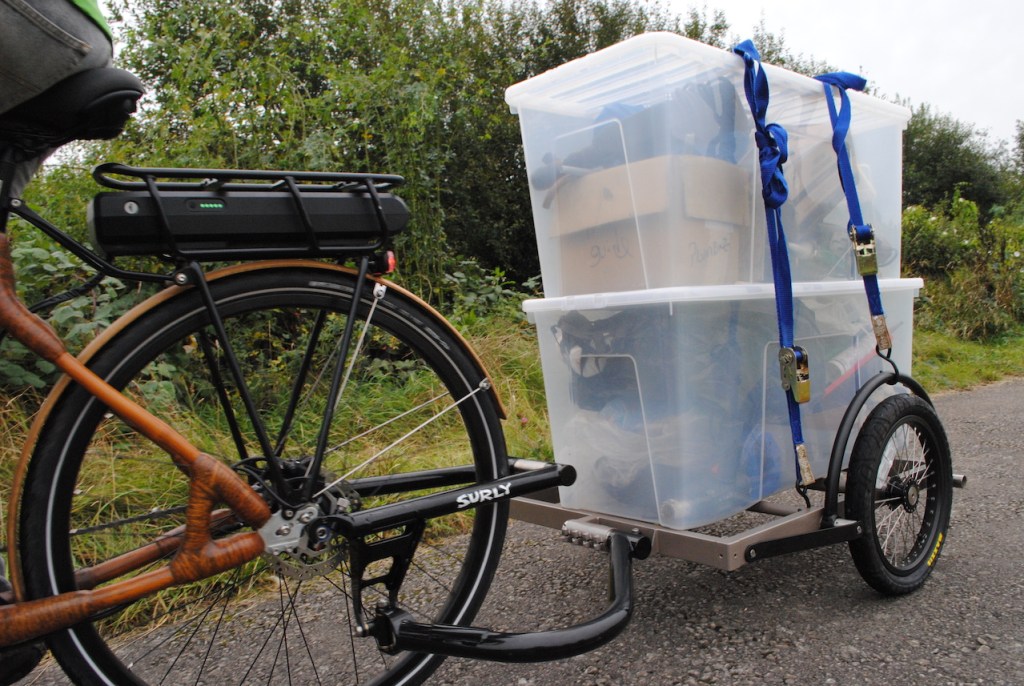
x=197, y=204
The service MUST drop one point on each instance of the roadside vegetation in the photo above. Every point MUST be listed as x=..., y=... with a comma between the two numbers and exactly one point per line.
x=416, y=87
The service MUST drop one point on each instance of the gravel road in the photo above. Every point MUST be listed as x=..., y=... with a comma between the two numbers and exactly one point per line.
x=806, y=618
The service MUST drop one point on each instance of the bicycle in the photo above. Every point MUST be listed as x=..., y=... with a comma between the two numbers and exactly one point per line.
x=328, y=505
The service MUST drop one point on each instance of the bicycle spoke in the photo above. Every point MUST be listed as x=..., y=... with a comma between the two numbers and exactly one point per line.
x=897, y=529
x=288, y=612
x=146, y=516
x=305, y=641
x=210, y=643
x=348, y=615
x=387, y=423
x=398, y=442
x=266, y=641
x=181, y=651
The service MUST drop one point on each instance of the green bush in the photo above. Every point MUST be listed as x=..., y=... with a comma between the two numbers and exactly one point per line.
x=44, y=269
x=478, y=293
x=967, y=305
x=933, y=242
x=974, y=270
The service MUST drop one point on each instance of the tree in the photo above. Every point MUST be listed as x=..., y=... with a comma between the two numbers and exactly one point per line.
x=413, y=87
x=1018, y=147
x=942, y=155
x=711, y=30
x=355, y=85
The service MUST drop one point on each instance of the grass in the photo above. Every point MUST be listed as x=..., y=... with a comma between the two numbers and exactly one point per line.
x=509, y=353
x=943, y=362
x=15, y=420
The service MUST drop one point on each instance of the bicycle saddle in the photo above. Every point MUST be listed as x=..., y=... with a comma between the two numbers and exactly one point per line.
x=90, y=105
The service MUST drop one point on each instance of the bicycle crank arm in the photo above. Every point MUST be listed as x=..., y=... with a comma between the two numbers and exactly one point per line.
x=395, y=631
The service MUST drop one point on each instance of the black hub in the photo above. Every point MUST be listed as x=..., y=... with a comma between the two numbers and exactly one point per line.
x=905, y=494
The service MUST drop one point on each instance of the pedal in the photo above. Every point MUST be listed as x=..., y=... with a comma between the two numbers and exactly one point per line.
x=587, y=534
x=598, y=536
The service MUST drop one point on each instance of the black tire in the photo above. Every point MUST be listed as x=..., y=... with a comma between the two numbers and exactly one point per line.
x=92, y=485
x=900, y=487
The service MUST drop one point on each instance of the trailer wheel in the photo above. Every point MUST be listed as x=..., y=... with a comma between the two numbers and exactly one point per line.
x=900, y=488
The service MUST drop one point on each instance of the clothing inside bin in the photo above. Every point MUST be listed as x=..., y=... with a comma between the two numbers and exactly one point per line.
x=625, y=386
x=648, y=416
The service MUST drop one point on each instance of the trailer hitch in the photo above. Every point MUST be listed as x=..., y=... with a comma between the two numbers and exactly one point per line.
x=396, y=631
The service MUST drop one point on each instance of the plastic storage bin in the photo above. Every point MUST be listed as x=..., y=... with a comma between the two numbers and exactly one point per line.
x=643, y=171
x=668, y=401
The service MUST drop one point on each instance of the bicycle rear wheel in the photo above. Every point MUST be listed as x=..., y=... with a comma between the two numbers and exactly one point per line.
x=415, y=398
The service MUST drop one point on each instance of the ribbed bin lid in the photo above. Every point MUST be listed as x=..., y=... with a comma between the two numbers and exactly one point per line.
x=683, y=294
x=632, y=71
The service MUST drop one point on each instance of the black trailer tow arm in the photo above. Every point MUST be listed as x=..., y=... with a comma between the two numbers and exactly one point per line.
x=395, y=630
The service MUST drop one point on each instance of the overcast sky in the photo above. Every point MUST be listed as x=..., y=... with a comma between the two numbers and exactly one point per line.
x=955, y=55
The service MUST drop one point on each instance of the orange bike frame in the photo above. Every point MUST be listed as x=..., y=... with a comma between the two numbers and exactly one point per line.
x=196, y=554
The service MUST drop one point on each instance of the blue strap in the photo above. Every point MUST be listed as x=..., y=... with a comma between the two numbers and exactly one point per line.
x=861, y=232
x=772, y=146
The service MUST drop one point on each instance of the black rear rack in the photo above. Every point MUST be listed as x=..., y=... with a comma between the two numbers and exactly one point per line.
x=231, y=214
x=214, y=179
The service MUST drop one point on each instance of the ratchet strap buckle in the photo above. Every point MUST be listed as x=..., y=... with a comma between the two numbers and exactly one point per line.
x=864, y=248
x=796, y=373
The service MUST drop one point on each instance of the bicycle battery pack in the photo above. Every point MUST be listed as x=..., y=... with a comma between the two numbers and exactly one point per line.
x=242, y=225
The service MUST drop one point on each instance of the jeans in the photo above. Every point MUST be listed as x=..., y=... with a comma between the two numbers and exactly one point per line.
x=43, y=42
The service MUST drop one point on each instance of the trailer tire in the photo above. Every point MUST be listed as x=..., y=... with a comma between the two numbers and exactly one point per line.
x=900, y=488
